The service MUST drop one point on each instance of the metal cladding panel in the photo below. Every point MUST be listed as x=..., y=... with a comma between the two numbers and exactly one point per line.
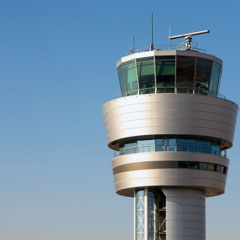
x=213, y=183
x=170, y=114
x=185, y=214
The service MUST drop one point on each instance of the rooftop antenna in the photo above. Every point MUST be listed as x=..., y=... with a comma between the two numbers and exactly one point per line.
x=132, y=50
x=152, y=46
x=188, y=38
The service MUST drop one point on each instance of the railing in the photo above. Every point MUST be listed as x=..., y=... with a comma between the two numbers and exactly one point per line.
x=170, y=148
x=153, y=90
x=180, y=46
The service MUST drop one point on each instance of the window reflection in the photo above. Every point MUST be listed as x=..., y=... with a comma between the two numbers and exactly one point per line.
x=131, y=78
x=215, y=76
x=203, y=73
x=165, y=74
x=122, y=81
x=146, y=77
x=171, y=144
x=184, y=74
x=202, y=166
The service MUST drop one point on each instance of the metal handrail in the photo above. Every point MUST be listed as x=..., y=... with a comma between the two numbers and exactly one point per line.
x=159, y=90
x=171, y=148
x=180, y=46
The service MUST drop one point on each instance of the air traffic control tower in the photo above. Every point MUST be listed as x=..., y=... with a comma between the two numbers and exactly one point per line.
x=170, y=131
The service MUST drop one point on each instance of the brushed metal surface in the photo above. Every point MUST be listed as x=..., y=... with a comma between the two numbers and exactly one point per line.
x=185, y=214
x=170, y=114
x=212, y=183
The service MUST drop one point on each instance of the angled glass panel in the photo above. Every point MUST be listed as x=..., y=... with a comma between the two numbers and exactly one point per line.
x=165, y=74
x=146, y=77
x=129, y=62
x=144, y=59
x=131, y=78
x=203, y=74
x=185, y=74
x=214, y=81
x=121, y=80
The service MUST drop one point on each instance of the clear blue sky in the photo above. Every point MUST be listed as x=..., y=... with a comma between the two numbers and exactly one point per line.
x=57, y=61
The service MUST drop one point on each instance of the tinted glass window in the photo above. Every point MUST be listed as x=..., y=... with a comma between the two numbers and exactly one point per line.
x=146, y=145
x=203, y=73
x=219, y=169
x=146, y=77
x=185, y=74
x=165, y=74
x=204, y=166
x=193, y=165
x=159, y=145
x=121, y=80
x=214, y=81
x=131, y=78
x=130, y=148
x=183, y=164
x=172, y=145
x=204, y=147
x=216, y=149
x=121, y=151
x=210, y=167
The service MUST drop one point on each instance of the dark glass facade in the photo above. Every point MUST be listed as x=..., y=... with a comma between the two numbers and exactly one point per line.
x=169, y=74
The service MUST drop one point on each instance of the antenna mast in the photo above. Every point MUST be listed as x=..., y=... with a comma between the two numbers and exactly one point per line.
x=188, y=38
x=152, y=46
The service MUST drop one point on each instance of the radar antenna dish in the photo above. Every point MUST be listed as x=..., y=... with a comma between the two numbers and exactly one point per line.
x=188, y=37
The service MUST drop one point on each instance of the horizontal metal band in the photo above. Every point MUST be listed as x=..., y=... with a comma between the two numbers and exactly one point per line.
x=166, y=164
x=145, y=166
x=211, y=182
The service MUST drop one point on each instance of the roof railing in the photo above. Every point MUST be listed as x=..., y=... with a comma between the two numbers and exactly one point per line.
x=184, y=90
x=180, y=46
